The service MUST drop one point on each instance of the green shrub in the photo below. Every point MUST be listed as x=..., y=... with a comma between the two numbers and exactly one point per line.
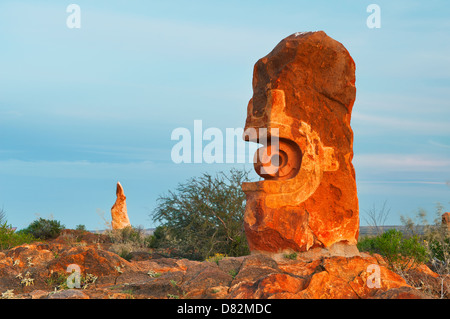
x=400, y=252
x=44, y=229
x=128, y=240
x=438, y=241
x=130, y=234
x=367, y=244
x=123, y=250
x=436, y=238
x=216, y=258
x=440, y=249
x=159, y=235
x=203, y=216
x=292, y=256
x=9, y=238
x=80, y=227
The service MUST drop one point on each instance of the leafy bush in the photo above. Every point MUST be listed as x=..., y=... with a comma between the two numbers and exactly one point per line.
x=438, y=242
x=366, y=244
x=436, y=237
x=204, y=216
x=216, y=258
x=401, y=252
x=128, y=240
x=440, y=249
x=80, y=227
x=44, y=229
x=292, y=256
x=129, y=234
x=160, y=235
x=9, y=238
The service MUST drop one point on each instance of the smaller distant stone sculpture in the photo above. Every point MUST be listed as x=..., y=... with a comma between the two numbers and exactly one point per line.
x=119, y=210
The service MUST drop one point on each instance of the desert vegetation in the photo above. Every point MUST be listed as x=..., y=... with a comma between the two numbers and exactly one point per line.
x=203, y=217
x=8, y=237
x=420, y=242
x=202, y=220
x=43, y=229
x=129, y=240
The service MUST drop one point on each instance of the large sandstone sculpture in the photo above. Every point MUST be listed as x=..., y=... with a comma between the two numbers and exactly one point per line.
x=119, y=212
x=303, y=92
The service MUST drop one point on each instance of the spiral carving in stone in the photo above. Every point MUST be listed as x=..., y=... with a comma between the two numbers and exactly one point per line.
x=278, y=162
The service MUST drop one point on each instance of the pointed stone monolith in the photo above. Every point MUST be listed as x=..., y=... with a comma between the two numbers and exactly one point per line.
x=119, y=210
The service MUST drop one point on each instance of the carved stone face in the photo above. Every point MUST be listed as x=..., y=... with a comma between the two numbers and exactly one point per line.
x=303, y=93
x=300, y=156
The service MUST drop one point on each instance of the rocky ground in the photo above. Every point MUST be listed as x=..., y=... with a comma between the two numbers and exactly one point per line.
x=39, y=271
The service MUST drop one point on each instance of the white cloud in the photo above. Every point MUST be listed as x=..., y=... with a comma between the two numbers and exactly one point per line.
x=441, y=145
x=76, y=169
x=401, y=163
x=125, y=152
x=404, y=195
x=403, y=182
x=415, y=126
x=407, y=104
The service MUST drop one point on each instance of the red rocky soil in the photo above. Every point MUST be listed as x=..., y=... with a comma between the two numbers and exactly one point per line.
x=38, y=271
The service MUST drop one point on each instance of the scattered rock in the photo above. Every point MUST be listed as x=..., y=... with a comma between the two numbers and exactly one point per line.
x=400, y=293
x=231, y=265
x=163, y=287
x=257, y=276
x=140, y=256
x=30, y=255
x=38, y=294
x=205, y=279
x=40, y=271
x=79, y=237
x=68, y=294
x=91, y=260
x=255, y=267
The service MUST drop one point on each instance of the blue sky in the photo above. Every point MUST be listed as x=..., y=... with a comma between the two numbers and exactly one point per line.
x=81, y=109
